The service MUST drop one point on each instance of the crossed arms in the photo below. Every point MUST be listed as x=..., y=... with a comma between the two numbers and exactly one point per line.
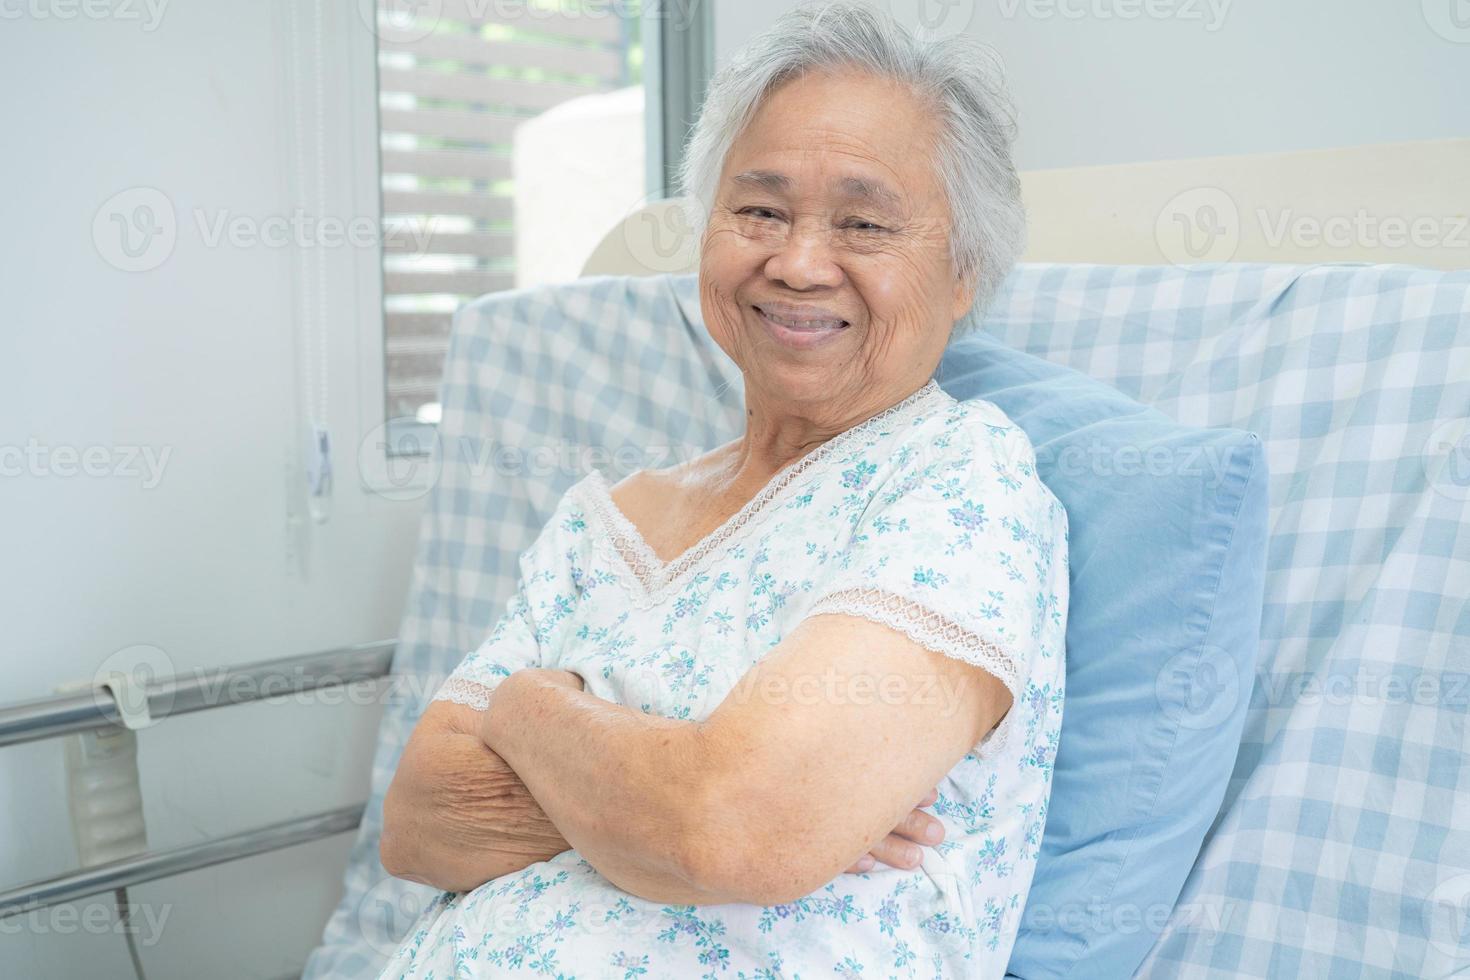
x=771, y=797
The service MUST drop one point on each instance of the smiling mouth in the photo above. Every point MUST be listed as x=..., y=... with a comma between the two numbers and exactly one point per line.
x=803, y=324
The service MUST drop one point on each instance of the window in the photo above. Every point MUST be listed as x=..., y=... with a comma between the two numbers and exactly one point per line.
x=474, y=199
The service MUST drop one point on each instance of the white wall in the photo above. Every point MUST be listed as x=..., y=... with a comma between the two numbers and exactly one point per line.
x=195, y=358
x=1101, y=81
x=578, y=171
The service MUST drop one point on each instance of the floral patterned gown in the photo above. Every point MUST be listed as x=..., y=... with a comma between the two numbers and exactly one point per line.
x=928, y=518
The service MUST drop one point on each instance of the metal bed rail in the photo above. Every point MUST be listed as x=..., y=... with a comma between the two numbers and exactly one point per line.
x=63, y=714
x=43, y=718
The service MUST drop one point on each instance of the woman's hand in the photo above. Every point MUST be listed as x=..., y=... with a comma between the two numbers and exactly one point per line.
x=526, y=677
x=902, y=847
x=456, y=816
x=561, y=678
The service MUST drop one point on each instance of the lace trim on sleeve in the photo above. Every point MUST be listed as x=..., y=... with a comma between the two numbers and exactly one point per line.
x=462, y=691
x=934, y=632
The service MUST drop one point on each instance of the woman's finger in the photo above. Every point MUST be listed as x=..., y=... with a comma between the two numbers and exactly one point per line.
x=921, y=828
x=897, y=852
x=899, y=848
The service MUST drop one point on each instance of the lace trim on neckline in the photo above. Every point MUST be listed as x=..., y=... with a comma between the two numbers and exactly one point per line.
x=656, y=579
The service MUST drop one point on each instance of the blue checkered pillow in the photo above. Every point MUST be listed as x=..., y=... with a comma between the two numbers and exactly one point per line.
x=1167, y=554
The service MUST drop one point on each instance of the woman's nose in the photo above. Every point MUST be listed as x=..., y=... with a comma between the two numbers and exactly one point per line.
x=804, y=260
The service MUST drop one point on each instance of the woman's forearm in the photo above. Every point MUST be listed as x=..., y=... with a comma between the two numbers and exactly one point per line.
x=456, y=815
x=625, y=788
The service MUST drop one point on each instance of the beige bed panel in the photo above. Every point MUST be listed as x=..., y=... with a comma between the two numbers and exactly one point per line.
x=1403, y=203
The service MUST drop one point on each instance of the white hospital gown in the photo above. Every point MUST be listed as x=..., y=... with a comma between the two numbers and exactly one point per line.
x=928, y=518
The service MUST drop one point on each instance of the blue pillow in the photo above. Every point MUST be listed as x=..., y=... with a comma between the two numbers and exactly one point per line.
x=1167, y=549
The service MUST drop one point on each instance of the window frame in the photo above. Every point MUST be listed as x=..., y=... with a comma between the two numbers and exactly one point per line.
x=672, y=58
x=381, y=472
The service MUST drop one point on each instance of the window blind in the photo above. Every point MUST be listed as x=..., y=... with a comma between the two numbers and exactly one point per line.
x=454, y=79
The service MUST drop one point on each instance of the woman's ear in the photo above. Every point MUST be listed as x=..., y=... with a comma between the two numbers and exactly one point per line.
x=964, y=295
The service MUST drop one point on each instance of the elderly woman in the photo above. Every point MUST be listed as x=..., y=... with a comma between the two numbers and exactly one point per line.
x=788, y=709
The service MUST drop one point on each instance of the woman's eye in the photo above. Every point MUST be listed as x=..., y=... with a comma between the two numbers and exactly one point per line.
x=858, y=224
x=757, y=212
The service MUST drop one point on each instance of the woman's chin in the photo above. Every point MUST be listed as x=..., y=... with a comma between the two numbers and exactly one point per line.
x=798, y=384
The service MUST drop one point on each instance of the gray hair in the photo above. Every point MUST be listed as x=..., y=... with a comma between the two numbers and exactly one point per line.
x=960, y=77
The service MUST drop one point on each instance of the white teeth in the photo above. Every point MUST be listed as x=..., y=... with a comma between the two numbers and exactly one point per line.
x=802, y=324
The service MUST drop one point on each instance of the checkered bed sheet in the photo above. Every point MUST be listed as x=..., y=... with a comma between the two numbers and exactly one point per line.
x=1342, y=848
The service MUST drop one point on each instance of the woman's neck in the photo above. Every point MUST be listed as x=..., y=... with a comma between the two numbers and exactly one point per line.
x=778, y=433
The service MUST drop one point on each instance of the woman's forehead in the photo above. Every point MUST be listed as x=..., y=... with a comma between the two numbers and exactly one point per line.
x=851, y=186
x=850, y=134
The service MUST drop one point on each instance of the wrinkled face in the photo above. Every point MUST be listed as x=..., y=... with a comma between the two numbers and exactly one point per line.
x=825, y=271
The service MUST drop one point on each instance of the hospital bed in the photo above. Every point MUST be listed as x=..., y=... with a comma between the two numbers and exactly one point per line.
x=1340, y=843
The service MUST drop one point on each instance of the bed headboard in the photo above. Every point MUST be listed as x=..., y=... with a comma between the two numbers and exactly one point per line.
x=1404, y=203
